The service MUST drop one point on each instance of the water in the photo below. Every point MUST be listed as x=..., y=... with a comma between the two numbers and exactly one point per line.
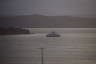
x=70, y=48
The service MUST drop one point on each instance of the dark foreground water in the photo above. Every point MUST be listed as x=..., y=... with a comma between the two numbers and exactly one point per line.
x=70, y=48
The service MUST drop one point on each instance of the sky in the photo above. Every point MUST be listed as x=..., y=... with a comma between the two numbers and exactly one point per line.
x=48, y=7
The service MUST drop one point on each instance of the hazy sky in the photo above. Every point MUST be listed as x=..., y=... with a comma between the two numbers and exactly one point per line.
x=48, y=7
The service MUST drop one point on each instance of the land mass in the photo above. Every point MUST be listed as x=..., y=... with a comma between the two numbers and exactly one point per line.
x=40, y=21
x=13, y=31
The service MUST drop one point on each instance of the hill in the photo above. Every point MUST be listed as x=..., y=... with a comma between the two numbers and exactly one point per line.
x=40, y=21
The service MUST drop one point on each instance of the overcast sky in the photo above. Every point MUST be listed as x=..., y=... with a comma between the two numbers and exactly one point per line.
x=48, y=7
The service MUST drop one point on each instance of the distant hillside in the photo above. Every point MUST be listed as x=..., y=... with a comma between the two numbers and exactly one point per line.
x=40, y=21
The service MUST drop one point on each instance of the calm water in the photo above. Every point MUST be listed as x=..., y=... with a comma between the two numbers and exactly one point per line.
x=70, y=48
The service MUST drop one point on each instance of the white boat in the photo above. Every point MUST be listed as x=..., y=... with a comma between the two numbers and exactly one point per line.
x=53, y=34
